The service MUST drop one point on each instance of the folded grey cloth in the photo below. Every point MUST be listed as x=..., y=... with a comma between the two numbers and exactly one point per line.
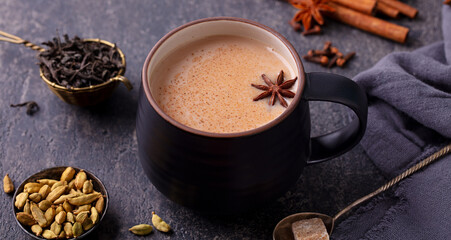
x=409, y=118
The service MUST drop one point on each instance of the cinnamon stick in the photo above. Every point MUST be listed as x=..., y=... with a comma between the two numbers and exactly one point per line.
x=363, y=6
x=387, y=10
x=403, y=8
x=368, y=23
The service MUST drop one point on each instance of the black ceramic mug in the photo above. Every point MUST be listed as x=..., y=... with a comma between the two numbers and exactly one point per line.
x=233, y=172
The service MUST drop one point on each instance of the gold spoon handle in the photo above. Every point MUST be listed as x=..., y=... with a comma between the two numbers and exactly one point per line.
x=15, y=39
x=395, y=180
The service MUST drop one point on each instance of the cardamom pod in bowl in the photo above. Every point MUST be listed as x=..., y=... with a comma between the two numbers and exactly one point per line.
x=51, y=204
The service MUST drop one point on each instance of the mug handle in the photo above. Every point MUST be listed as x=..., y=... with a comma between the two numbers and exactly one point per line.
x=335, y=88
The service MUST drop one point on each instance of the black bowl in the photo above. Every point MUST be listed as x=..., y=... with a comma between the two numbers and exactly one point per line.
x=55, y=173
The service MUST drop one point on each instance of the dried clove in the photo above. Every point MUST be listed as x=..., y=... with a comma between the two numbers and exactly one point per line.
x=343, y=60
x=32, y=107
x=295, y=25
x=315, y=30
x=328, y=56
x=323, y=60
x=332, y=61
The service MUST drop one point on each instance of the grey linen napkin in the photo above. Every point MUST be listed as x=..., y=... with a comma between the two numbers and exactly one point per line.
x=409, y=118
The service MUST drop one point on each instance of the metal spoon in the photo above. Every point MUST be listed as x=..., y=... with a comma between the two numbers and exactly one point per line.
x=283, y=231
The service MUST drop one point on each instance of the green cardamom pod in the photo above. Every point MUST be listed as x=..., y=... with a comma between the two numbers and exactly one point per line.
x=77, y=229
x=60, y=217
x=36, y=229
x=159, y=224
x=8, y=185
x=56, y=228
x=84, y=199
x=44, y=204
x=141, y=229
x=25, y=218
x=100, y=204
x=47, y=234
x=80, y=179
x=44, y=191
x=38, y=215
x=35, y=197
x=21, y=199
x=68, y=174
x=68, y=229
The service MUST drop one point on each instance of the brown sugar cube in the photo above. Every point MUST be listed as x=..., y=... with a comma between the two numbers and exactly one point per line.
x=310, y=229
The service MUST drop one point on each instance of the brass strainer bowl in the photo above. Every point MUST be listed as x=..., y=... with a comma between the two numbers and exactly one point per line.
x=86, y=96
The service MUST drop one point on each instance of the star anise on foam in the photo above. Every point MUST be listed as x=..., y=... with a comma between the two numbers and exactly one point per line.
x=309, y=9
x=279, y=89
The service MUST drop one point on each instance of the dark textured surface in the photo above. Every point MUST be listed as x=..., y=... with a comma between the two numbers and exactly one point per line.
x=102, y=139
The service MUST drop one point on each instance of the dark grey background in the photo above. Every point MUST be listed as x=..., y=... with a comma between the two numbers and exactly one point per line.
x=102, y=139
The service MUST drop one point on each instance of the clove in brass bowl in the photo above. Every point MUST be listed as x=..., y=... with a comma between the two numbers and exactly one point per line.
x=55, y=173
x=92, y=95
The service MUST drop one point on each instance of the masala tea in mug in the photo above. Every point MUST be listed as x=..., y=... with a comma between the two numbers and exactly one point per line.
x=206, y=84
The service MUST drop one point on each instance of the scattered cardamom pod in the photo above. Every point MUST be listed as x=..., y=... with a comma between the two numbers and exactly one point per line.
x=49, y=182
x=141, y=229
x=32, y=187
x=94, y=215
x=25, y=218
x=50, y=214
x=77, y=229
x=47, y=234
x=21, y=199
x=8, y=185
x=68, y=174
x=27, y=207
x=56, y=193
x=36, y=229
x=44, y=204
x=68, y=229
x=38, y=215
x=88, y=187
x=80, y=179
x=70, y=217
x=60, y=217
x=44, y=190
x=55, y=228
x=159, y=224
x=35, y=197
x=84, y=199
x=100, y=204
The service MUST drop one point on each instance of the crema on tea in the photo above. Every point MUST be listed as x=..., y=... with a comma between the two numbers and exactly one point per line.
x=206, y=84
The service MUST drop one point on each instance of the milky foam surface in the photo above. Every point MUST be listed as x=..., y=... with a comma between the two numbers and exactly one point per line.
x=206, y=84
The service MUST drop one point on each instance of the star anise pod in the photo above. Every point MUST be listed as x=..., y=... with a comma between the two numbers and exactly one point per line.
x=279, y=89
x=309, y=9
